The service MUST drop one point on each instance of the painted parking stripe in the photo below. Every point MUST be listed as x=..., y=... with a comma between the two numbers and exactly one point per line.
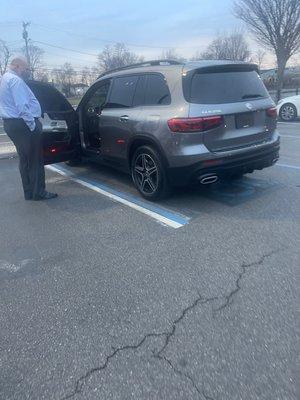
x=160, y=214
x=290, y=136
x=287, y=166
x=288, y=122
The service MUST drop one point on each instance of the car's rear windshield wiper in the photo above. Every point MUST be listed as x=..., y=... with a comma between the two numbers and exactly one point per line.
x=252, y=96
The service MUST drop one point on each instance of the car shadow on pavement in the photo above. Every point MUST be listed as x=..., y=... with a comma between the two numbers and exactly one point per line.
x=231, y=193
x=239, y=191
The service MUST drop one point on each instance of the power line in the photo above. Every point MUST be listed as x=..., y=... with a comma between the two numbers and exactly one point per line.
x=68, y=57
x=10, y=23
x=78, y=51
x=114, y=41
x=13, y=42
x=64, y=48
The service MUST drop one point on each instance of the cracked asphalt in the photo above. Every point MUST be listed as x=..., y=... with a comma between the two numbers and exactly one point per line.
x=99, y=301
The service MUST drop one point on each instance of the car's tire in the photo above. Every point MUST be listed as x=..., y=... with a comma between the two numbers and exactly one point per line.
x=288, y=112
x=149, y=174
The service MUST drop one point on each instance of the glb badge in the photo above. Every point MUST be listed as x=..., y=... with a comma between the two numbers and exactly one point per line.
x=249, y=106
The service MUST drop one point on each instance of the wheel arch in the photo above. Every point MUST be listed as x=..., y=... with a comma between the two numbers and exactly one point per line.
x=144, y=140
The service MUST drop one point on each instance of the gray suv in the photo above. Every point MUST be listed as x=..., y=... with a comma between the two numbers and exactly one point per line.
x=168, y=123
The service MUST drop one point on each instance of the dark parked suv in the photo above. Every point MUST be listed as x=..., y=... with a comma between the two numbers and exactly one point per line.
x=168, y=123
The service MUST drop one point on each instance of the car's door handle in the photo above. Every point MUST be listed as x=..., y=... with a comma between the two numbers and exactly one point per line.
x=124, y=118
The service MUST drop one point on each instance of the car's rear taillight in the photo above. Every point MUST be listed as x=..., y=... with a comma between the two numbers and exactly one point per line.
x=272, y=112
x=198, y=124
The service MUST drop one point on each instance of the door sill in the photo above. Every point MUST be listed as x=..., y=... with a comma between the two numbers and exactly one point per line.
x=93, y=150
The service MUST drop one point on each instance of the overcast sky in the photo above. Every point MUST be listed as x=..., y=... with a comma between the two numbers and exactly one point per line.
x=147, y=27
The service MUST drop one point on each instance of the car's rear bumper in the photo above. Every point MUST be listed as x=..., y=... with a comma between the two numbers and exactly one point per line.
x=226, y=166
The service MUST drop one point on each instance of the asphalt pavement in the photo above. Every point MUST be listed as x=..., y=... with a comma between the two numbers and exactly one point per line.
x=101, y=300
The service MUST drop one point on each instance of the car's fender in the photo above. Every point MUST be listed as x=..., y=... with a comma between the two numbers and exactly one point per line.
x=295, y=100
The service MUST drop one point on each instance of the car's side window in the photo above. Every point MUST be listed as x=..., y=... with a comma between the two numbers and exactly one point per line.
x=157, y=91
x=98, y=98
x=122, y=92
x=140, y=91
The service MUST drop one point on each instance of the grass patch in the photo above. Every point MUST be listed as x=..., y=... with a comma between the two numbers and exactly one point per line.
x=74, y=100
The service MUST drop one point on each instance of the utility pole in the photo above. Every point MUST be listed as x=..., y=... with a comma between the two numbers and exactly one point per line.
x=26, y=39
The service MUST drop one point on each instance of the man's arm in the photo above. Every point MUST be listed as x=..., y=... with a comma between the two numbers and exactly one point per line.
x=21, y=99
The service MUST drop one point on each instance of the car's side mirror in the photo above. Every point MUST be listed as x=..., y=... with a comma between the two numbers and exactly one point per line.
x=94, y=110
x=97, y=110
x=91, y=110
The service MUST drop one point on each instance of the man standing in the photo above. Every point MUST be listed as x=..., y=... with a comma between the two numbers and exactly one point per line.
x=20, y=111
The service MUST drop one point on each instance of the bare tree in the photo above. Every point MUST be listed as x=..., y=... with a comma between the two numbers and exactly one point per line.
x=42, y=75
x=35, y=55
x=275, y=24
x=228, y=47
x=88, y=75
x=171, y=54
x=259, y=57
x=4, y=57
x=64, y=76
x=197, y=56
x=85, y=75
x=116, y=56
x=70, y=77
x=94, y=74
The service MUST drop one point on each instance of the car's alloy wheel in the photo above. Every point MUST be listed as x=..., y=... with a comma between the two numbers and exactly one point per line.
x=148, y=173
x=288, y=112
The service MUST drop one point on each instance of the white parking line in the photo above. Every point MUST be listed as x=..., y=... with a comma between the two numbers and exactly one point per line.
x=160, y=214
x=290, y=136
x=289, y=123
x=287, y=166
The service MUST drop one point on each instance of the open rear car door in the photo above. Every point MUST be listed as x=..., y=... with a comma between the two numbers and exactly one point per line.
x=60, y=124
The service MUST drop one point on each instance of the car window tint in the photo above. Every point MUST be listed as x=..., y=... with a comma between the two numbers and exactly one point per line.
x=139, y=95
x=226, y=87
x=157, y=91
x=99, y=97
x=122, y=92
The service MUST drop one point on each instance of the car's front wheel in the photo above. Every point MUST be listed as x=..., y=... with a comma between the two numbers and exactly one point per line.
x=148, y=173
x=288, y=112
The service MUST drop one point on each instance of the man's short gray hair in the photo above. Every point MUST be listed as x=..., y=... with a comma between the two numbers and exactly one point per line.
x=18, y=61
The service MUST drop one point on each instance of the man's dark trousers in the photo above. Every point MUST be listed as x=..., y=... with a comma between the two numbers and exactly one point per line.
x=29, y=146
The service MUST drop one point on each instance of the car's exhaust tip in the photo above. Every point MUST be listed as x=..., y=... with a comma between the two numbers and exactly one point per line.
x=208, y=179
x=275, y=159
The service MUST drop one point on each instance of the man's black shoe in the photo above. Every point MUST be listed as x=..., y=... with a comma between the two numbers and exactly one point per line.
x=45, y=196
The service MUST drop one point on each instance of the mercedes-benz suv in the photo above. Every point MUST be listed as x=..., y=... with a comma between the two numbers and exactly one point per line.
x=168, y=123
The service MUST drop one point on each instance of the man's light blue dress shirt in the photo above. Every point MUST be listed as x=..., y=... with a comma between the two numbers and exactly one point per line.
x=17, y=100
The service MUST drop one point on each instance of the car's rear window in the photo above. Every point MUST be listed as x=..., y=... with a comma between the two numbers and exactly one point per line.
x=224, y=87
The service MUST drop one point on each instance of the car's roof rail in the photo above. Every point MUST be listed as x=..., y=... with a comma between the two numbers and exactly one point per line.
x=141, y=64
